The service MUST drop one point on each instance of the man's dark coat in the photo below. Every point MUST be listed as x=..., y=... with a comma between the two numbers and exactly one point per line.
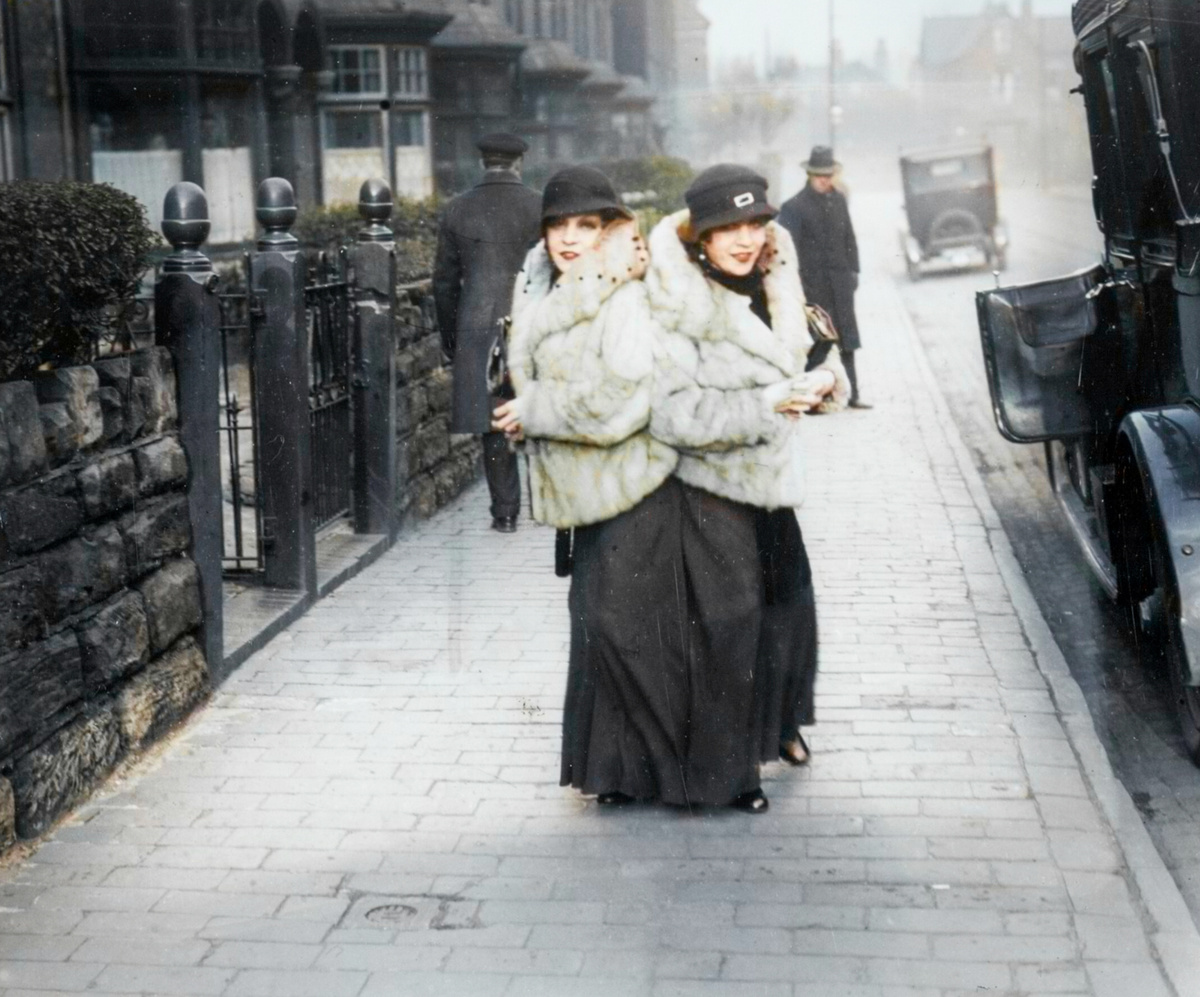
x=820, y=225
x=484, y=236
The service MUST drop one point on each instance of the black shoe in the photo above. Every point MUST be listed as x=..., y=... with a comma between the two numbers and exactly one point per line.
x=795, y=752
x=859, y=403
x=613, y=799
x=505, y=524
x=753, y=802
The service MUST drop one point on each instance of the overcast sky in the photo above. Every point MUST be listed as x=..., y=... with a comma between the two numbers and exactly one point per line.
x=799, y=27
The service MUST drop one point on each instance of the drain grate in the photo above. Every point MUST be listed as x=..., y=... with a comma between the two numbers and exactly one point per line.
x=426, y=912
x=393, y=915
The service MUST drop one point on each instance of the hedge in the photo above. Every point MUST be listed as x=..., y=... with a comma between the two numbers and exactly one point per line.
x=414, y=222
x=73, y=255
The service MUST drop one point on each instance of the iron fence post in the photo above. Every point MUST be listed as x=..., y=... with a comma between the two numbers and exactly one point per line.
x=281, y=371
x=374, y=262
x=187, y=319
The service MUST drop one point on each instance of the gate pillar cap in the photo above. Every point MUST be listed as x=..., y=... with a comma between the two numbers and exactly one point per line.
x=185, y=225
x=375, y=207
x=276, y=211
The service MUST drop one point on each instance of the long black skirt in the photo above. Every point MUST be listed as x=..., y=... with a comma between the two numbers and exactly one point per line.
x=787, y=660
x=626, y=705
x=665, y=614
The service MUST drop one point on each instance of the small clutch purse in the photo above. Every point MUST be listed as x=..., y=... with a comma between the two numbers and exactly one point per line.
x=499, y=382
x=820, y=324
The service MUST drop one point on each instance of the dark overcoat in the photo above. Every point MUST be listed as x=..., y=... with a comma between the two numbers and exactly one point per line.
x=484, y=236
x=828, y=256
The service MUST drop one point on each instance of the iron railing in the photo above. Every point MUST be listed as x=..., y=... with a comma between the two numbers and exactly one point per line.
x=328, y=304
x=243, y=525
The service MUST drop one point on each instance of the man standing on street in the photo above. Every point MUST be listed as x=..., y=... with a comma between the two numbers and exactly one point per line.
x=484, y=236
x=818, y=219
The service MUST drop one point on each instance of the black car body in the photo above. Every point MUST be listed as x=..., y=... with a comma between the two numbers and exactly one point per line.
x=1103, y=366
x=950, y=210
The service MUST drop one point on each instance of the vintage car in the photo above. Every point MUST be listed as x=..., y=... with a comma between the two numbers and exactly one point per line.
x=1103, y=366
x=951, y=222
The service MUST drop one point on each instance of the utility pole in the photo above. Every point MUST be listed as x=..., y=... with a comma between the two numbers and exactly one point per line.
x=833, y=108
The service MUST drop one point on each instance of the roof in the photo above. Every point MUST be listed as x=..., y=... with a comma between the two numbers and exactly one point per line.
x=930, y=154
x=477, y=26
x=603, y=77
x=549, y=57
x=635, y=93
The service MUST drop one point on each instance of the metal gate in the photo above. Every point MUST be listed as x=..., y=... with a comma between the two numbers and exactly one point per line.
x=328, y=303
x=242, y=506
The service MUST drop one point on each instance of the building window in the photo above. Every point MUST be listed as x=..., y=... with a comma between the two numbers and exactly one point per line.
x=514, y=13
x=412, y=74
x=559, y=20
x=353, y=130
x=224, y=30
x=357, y=71
x=129, y=29
x=410, y=129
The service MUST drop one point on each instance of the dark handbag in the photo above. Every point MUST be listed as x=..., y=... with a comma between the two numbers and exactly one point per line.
x=564, y=558
x=499, y=380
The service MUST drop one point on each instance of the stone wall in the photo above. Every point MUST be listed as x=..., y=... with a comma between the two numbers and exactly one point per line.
x=99, y=602
x=433, y=466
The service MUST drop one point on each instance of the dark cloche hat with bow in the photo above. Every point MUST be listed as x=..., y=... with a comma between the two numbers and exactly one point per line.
x=727, y=194
x=580, y=190
x=820, y=162
x=502, y=144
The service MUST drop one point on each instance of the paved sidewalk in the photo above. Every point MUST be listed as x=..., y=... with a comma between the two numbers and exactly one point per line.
x=370, y=806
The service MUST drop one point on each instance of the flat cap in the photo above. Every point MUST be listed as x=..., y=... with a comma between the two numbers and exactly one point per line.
x=503, y=144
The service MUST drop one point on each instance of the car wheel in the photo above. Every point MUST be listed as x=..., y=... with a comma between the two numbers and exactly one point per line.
x=1158, y=621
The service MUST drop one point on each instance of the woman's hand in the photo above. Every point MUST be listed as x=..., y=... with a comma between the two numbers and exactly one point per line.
x=808, y=391
x=506, y=420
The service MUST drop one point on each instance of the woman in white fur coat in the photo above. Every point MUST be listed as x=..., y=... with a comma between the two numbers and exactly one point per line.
x=730, y=387
x=581, y=359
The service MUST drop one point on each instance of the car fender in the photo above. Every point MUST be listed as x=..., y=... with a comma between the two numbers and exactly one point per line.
x=1165, y=447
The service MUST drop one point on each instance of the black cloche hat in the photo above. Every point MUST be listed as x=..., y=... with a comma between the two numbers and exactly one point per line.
x=726, y=194
x=502, y=144
x=580, y=190
x=820, y=162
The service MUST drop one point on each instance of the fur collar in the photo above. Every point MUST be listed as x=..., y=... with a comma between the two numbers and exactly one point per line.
x=543, y=306
x=687, y=302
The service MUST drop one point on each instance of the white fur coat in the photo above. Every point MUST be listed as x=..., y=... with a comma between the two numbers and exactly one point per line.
x=720, y=371
x=581, y=355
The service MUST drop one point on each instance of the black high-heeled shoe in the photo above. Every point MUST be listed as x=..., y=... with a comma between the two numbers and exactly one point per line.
x=613, y=799
x=753, y=802
x=795, y=752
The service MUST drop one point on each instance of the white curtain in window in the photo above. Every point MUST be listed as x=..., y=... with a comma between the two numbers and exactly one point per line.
x=229, y=184
x=345, y=170
x=414, y=172
x=147, y=175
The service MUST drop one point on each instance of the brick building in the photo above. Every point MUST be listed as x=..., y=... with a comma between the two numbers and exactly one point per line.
x=143, y=93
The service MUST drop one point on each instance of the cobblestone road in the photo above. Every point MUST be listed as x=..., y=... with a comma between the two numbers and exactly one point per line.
x=370, y=805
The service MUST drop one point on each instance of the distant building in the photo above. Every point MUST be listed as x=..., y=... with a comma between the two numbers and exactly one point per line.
x=1007, y=75
x=144, y=93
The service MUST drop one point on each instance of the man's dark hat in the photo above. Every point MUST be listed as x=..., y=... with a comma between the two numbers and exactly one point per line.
x=580, y=190
x=726, y=194
x=502, y=144
x=820, y=162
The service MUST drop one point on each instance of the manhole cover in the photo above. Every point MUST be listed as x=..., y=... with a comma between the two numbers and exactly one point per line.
x=396, y=915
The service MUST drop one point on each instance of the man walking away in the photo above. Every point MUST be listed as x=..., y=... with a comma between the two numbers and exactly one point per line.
x=484, y=236
x=818, y=219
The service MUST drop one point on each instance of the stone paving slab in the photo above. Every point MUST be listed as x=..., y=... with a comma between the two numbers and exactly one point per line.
x=370, y=805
